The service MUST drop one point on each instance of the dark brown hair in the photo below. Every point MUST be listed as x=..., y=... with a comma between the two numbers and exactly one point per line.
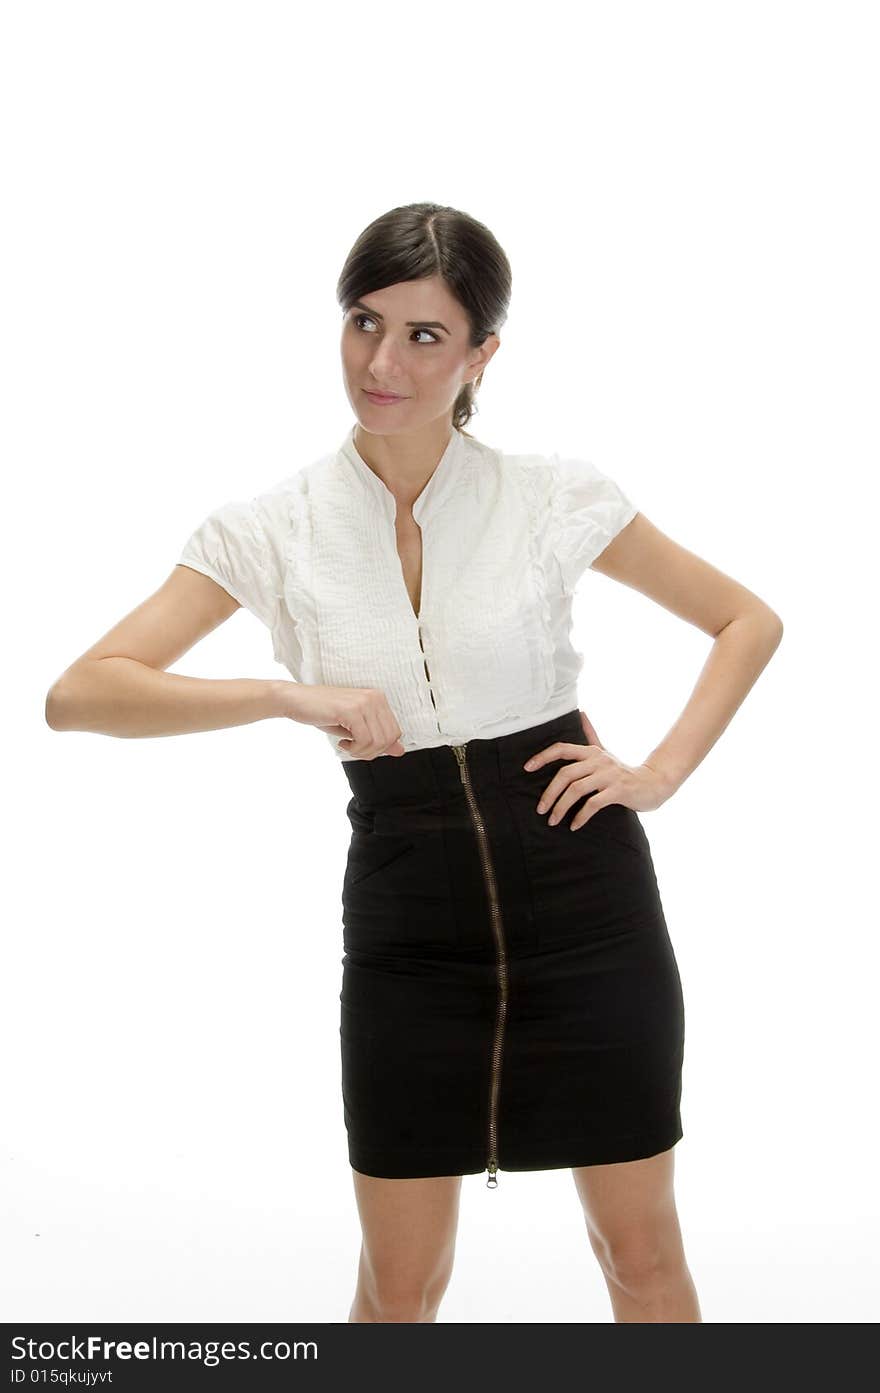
x=419, y=240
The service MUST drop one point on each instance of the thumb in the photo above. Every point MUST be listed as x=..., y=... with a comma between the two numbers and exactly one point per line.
x=592, y=737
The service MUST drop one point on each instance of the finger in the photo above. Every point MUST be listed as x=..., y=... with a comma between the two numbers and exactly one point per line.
x=393, y=734
x=562, y=806
x=585, y=787
x=342, y=735
x=561, y=750
x=376, y=734
x=590, y=731
x=363, y=735
x=558, y=784
x=589, y=810
x=548, y=797
x=541, y=757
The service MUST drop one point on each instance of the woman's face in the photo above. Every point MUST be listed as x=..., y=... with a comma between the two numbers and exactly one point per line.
x=410, y=339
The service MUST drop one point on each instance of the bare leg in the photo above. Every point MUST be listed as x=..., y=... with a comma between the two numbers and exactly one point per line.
x=409, y=1229
x=633, y=1228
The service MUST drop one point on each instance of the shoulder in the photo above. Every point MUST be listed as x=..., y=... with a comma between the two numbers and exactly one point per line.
x=519, y=467
x=579, y=504
x=569, y=481
x=532, y=474
x=552, y=468
x=282, y=504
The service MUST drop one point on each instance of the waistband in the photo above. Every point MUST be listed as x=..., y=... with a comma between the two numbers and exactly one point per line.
x=429, y=773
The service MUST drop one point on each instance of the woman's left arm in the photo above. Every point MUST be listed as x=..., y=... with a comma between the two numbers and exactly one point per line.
x=746, y=634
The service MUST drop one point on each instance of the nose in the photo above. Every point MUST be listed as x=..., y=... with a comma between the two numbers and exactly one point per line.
x=385, y=369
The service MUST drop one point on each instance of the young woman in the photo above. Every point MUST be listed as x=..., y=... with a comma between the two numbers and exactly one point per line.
x=510, y=996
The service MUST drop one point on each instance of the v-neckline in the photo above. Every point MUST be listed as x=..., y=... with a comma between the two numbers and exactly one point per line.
x=417, y=613
x=430, y=498
x=434, y=491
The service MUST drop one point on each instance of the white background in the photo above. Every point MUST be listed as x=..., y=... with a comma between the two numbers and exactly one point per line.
x=688, y=197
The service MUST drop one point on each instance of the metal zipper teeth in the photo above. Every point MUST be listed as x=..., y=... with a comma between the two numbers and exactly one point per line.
x=485, y=857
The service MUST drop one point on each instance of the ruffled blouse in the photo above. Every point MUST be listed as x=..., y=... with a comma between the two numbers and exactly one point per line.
x=505, y=539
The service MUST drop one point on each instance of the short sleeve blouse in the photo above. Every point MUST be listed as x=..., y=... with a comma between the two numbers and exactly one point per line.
x=505, y=540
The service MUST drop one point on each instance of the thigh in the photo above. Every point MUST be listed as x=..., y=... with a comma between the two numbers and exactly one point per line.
x=409, y=1227
x=629, y=1205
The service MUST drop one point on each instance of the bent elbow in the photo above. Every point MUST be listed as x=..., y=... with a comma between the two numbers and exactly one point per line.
x=775, y=629
x=769, y=621
x=53, y=709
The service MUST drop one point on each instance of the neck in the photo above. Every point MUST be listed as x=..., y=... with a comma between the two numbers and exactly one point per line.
x=404, y=462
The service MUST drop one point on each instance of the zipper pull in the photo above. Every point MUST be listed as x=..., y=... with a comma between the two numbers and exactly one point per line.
x=460, y=756
x=492, y=1182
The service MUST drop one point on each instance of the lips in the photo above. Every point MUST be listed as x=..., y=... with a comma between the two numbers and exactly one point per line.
x=384, y=396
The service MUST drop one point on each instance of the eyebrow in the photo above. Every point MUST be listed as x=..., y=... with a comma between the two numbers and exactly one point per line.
x=410, y=323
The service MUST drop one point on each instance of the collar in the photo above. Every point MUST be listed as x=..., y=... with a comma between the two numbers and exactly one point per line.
x=435, y=490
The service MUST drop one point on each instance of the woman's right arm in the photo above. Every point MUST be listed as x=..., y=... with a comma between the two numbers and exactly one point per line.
x=120, y=686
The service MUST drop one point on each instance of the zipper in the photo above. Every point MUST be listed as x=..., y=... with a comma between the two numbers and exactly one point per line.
x=492, y=889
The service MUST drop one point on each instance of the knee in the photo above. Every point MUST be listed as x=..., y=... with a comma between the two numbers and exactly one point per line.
x=392, y=1294
x=641, y=1263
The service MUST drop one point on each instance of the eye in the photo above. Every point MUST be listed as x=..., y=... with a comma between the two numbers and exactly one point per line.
x=358, y=317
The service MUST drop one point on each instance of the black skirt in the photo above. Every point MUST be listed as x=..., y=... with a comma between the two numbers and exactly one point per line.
x=510, y=996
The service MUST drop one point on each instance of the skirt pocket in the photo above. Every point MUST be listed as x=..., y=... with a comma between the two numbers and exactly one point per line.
x=396, y=893
x=591, y=883
x=624, y=825
x=374, y=852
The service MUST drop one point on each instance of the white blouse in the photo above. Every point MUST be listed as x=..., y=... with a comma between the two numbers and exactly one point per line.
x=505, y=539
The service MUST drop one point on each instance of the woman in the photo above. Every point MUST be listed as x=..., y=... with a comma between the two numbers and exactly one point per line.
x=510, y=997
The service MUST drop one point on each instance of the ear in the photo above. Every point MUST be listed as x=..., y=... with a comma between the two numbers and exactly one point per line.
x=485, y=352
